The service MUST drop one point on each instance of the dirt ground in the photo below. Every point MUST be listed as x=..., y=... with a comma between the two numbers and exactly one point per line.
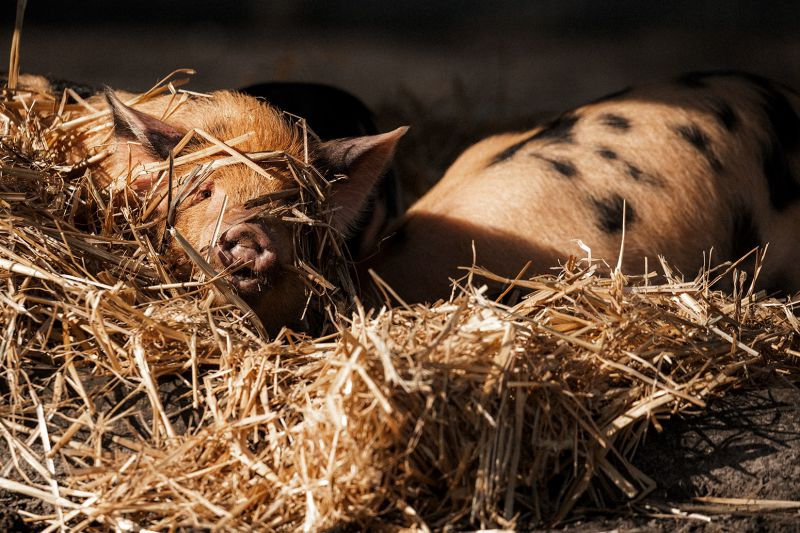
x=744, y=445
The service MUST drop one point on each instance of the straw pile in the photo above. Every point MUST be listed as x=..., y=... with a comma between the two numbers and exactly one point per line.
x=130, y=401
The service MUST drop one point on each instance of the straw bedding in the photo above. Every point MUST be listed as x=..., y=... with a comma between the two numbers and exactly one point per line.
x=132, y=401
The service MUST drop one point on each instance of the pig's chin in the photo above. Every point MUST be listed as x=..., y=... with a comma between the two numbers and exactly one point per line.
x=247, y=283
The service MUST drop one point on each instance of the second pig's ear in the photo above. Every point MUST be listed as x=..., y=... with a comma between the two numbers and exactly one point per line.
x=362, y=160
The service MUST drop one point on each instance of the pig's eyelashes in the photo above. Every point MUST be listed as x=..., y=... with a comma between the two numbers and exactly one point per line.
x=203, y=194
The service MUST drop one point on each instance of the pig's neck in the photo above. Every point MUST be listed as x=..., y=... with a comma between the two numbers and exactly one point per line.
x=413, y=258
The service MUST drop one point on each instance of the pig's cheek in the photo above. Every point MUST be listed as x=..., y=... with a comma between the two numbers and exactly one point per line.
x=285, y=247
x=206, y=246
x=213, y=207
x=210, y=216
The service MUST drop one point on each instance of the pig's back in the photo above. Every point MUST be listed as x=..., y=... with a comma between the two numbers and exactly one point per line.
x=707, y=161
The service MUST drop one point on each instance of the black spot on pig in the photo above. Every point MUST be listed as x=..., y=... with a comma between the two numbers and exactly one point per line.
x=633, y=171
x=556, y=131
x=726, y=116
x=606, y=153
x=692, y=134
x=559, y=130
x=610, y=212
x=562, y=166
x=616, y=122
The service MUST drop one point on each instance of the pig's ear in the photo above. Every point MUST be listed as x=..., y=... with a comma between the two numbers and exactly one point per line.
x=148, y=138
x=362, y=160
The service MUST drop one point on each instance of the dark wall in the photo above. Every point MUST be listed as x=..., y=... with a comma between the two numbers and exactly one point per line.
x=499, y=58
x=424, y=15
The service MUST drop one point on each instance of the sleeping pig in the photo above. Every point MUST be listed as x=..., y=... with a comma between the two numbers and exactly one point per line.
x=708, y=162
x=259, y=252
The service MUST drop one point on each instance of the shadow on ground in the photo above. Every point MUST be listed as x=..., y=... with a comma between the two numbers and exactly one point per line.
x=743, y=445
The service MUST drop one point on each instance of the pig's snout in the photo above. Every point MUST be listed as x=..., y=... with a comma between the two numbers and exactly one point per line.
x=247, y=248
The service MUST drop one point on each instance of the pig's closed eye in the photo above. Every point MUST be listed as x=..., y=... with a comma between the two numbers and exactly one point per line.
x=203, y=194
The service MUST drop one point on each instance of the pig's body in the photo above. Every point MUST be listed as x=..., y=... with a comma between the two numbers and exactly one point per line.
x=709, y=161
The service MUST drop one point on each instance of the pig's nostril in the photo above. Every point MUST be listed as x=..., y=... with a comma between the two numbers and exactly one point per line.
x=247, y=250
x=244, y=239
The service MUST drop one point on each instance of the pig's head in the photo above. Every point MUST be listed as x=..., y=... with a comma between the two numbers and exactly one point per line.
x=256, y=251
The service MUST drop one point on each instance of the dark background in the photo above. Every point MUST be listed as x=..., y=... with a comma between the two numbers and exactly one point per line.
x=499, y=59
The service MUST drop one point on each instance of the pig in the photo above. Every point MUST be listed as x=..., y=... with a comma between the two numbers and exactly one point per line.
x=705, y=161
x=260, y=252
